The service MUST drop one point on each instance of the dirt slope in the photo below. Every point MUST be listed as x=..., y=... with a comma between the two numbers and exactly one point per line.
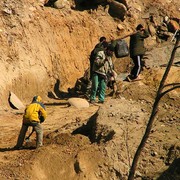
x=41, y=46
x=96, y=142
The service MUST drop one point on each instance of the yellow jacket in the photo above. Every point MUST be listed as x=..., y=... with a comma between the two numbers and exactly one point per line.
x=33, y=113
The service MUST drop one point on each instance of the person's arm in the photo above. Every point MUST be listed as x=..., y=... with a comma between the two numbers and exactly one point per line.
x=126, y=36
x=100, y=59
x=144, y=33
x=43, y=112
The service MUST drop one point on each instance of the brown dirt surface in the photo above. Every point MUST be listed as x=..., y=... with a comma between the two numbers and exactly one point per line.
x=45, y=51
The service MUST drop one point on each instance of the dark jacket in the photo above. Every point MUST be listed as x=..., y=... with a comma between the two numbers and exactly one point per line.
x=137, y=43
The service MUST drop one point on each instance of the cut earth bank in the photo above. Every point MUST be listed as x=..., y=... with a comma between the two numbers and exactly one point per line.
x=98, y=142
x=90, y=143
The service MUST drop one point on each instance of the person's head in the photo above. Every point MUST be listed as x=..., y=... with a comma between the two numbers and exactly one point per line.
x=104, y=44
x=166, y=19
x=110, y=50
x=37, y=99
x=139, y=27
x=102, y=39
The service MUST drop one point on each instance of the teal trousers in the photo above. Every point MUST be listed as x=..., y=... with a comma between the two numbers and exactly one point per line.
x=98, y=87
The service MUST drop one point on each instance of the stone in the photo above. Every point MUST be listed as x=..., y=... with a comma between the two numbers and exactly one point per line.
x=120, y=27
x=117, y=9
x=78, y=102
x=15, y=101
x=59, y=4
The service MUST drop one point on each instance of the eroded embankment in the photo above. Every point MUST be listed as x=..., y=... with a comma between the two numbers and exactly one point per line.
x=102, y=147
x=115, y=132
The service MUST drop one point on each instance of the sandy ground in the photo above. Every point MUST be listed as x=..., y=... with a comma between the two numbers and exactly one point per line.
x=117, y=128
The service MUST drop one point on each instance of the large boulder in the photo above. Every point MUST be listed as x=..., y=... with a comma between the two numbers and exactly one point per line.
x=59, y=4
x=117, y=9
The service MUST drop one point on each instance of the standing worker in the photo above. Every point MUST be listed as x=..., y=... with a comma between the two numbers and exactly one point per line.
x=137, y=50
x=98, y=47
x=34, y=115
x=101, y=67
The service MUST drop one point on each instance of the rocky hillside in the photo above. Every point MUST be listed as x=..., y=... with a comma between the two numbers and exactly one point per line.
x=42, y=42
x=45, y=48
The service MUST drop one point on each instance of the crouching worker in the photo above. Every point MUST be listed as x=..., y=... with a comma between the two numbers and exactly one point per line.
x=34, y=115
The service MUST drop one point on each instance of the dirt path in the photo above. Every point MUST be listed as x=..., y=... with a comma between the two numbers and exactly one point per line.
x=60, y=115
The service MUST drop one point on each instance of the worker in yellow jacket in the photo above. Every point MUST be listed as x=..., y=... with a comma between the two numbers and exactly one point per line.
x=34, y=115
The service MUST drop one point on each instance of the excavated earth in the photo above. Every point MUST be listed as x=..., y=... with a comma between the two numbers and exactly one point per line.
x=44, y=51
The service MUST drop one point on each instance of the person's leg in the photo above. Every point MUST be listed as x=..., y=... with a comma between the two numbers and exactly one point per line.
x=21, y=136
x=137, y=67
x=134, y=67
x=143, y=63
x=94, y=87
x=102, y=89
x=114, y=88
x=91, y=71
x=88, y=89
x=39, y=135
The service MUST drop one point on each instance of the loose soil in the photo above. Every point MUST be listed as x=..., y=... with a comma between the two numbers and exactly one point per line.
x=45, y=51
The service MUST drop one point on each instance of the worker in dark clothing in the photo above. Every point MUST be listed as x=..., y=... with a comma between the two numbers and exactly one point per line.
x=137, y=50
x=98, y=47
x=102, y=66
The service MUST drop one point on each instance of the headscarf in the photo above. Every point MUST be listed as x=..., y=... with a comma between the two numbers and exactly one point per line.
x=38, y=99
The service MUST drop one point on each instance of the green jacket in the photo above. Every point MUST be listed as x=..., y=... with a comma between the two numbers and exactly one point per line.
x=137, y=43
